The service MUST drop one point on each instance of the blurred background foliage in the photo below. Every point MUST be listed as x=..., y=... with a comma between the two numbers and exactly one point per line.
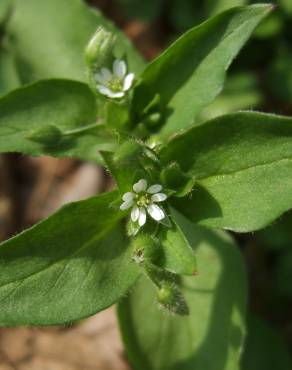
x=259, y=79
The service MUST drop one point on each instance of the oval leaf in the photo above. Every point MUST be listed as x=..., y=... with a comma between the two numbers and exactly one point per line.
x=191, y=72
x=67, y=267
x=242, y=164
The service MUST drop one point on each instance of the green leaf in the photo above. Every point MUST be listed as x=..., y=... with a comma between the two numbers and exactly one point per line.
x=49, y=38
x=67, y=267
x=211, y=337
x=191, y=72
x=264, y=349
x=176, y=253
x=241, y=91
x=68, y=105
x=242, y=165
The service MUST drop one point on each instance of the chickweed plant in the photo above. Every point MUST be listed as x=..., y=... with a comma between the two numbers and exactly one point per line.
x=156, y=245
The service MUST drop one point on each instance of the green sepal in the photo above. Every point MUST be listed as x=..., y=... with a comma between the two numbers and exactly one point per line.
x=145, y=248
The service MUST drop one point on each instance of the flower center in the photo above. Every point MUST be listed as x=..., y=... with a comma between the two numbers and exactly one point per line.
x=143, y=200
x=115, y=84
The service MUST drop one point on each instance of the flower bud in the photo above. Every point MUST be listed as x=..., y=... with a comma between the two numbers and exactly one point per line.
x=168, y=292
x=152, y=119
x=165, y=295
x=98, y=52
x=170, y=297
x=48, y=135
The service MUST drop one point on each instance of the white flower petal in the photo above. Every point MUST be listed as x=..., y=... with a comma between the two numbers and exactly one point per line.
x=119, y=68
x=154, y=189
x=99, y=77
x=158, y=197
x=135, y=214
x=104, y=90
x=106, y=73
x=155, y=212
x=116, y=94
x=141, y=185
x=109, y=93
x=128, y=196
x=128, y=81
x=142, y=216
x=126, y=205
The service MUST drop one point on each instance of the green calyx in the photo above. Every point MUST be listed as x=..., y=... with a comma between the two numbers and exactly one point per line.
x=145, y=248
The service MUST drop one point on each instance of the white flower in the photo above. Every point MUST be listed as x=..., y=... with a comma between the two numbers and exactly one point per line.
x=114, y=84
x=143, y=200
